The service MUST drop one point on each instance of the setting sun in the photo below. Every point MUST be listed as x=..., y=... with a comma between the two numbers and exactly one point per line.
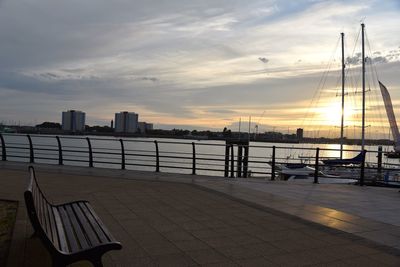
x=332, y=112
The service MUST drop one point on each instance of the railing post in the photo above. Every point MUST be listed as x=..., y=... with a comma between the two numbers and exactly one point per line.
x=273, y=164
x=60, y=155
x=232, y=162
x=90, y=152
x=316, y=166
x=3, y=148
x=122, y=154
x=157, y=157
x=226, y=169
x=362, y=171
x=239, y=161
x=380, y=159
x=31, y=154
x=246, y=160
x=194, y=158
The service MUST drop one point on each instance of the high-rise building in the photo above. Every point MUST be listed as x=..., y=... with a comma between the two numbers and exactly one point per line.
x=126, y=122
x=73, y=121
x=299, y=133
x=144, y=126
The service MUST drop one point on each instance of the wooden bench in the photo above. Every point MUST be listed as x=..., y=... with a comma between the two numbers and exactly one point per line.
x=71, y=232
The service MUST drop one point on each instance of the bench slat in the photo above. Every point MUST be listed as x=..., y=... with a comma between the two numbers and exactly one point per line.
x=88, y=229
x=100, y=223
x=99, y=231
x=80, y=236
x=69, y=230
x=63, y=244
x=52, y=226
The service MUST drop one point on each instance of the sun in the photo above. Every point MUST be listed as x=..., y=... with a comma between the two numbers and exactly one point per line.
x=331, y=114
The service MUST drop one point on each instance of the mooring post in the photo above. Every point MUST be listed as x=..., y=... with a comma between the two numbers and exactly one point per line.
x=90, y=152
x=122, y=154
x=379, y=159
x=232, y=162
x=31, y=154
x=157, y=157
x=193, y=158
x=362, y=171
x=316, y=166
x=226, y=170
x=60, y=154
x=3, y=148
x=273, y=164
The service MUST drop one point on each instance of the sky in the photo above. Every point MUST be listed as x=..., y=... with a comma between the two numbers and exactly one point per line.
x=187, y=64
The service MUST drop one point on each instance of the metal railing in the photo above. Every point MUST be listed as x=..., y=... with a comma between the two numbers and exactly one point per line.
x=228, y=160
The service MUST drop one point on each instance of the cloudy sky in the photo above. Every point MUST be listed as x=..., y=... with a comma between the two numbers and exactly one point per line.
x=202, y=63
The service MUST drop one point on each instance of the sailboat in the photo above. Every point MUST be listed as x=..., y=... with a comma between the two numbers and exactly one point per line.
x=392, y=122
x=359, y=159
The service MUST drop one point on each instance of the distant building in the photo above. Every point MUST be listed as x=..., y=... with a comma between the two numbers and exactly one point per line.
x=126, y=122
x=73, y=121
x=299, y=133
x=144, y=126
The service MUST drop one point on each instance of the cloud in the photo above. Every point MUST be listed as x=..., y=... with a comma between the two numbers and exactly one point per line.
x=189, y=62
x=152, y=79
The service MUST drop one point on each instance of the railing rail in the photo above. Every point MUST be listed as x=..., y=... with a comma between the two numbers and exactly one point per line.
x=230, y=160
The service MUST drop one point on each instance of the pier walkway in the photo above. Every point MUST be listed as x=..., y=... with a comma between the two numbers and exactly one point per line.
x=165, y=219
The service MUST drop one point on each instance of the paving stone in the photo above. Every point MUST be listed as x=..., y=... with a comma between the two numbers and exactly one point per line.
x=172, y=224
x=206, y=256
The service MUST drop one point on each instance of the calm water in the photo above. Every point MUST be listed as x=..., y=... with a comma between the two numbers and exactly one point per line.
x=141, y=151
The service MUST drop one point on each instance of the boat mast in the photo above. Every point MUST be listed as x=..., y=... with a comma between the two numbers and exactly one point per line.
x=342, y=119
x=363, y=89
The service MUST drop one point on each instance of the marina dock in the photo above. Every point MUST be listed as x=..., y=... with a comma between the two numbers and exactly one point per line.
x=166, y=219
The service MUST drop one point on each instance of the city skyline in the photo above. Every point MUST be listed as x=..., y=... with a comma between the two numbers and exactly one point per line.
x=197, y=64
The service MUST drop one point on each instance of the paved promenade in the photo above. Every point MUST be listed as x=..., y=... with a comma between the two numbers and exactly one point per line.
x=183, y=220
